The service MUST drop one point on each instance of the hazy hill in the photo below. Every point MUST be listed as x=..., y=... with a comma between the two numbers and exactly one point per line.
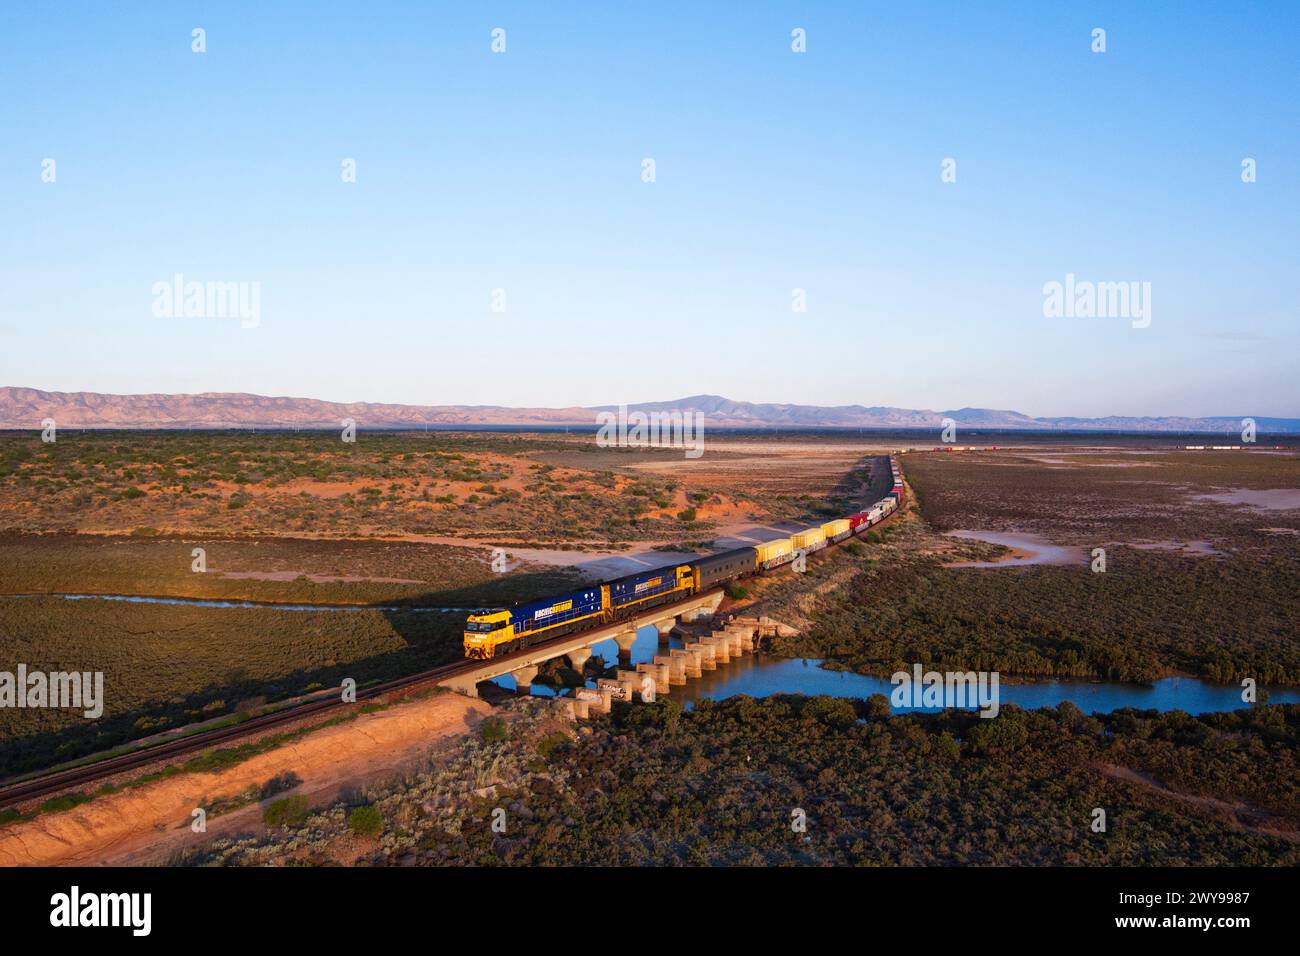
x=27, y=407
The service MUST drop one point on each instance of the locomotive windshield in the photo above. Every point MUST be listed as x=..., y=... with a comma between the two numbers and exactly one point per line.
x=482, y=627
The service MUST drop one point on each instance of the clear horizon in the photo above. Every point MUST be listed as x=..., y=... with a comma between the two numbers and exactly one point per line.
x=522, y=171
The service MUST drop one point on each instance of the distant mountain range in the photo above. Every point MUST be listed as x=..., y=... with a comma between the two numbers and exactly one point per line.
x=27, y=407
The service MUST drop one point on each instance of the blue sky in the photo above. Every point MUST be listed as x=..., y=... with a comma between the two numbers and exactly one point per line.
x=774, y=171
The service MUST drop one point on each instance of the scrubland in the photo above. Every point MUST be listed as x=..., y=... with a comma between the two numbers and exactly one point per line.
x=815, y=781
x=1229, y=611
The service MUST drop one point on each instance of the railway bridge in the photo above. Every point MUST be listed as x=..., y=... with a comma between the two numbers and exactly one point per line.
x=523, y=665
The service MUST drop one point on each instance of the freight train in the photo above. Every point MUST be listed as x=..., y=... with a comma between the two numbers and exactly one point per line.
x=493, y=631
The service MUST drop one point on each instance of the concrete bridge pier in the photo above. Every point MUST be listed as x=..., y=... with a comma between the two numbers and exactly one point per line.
x=625, y=641
x=630, y=682
x=690, y=661
x=708, y=657
x=597, y=701
x=665, y=628
x=663, y=674
x=676, y=667
x=703, y=612
x=524, y=678
x=660, y=674
x=721, y=648
x=748, y=637
x=578, y=658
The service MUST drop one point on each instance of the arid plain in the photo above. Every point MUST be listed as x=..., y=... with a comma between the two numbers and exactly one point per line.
x=1201, y=552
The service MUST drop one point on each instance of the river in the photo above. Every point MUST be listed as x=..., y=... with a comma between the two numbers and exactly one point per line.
x=763, y=675
x=760, y=675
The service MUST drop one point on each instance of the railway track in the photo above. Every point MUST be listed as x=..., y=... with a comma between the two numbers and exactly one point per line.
x=53, y=783
x=75, y=776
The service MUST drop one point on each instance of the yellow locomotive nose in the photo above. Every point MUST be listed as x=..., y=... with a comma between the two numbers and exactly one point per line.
x=483, y=631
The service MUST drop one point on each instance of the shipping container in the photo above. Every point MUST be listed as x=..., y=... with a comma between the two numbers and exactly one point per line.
x=769, y=554
x=837, y=530
x=810, y=540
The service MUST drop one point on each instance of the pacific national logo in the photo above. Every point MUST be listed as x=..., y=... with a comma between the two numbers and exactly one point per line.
x=555, y=609
x=103, y=909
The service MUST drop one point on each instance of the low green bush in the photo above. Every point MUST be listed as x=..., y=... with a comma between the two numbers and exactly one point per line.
x=288, y=812
x=366, y=821
x=494, y=729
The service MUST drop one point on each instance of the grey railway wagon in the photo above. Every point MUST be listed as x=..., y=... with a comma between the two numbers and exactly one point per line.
x=728, y=564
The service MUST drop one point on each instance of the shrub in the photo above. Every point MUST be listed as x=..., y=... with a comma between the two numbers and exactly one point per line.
x=366, y=821
x=736, y=592
x=552, y=742
x=494, y=729
x=832, y=711
x=289, y=812
x=878, y=707
x=1003, y=735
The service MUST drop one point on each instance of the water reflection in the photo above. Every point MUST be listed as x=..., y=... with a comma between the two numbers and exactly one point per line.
x=762, y=676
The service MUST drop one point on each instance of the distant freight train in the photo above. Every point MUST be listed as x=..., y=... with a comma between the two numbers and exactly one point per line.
x=489, y=632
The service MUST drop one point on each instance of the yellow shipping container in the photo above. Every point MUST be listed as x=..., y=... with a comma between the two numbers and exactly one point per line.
x=809, y=539
x=772, y=550
x=839, y=526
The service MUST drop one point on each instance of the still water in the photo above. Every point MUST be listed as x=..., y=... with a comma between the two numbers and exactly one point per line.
x=217, y=602
x=762, y=676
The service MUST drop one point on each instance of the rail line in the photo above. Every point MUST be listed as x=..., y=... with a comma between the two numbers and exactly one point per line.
x=75, y=776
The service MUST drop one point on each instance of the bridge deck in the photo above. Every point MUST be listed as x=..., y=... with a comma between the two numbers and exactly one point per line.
x=467, y=681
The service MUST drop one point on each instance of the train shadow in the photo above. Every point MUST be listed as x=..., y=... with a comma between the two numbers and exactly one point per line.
x=429, y=626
